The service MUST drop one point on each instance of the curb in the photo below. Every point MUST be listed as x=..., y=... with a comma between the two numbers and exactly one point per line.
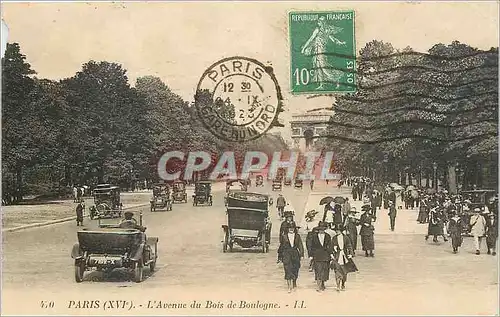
x=51, y=222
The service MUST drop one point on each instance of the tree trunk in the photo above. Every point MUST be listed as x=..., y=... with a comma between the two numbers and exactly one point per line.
x=427, y=180
x=419, y=177
x=452, y=179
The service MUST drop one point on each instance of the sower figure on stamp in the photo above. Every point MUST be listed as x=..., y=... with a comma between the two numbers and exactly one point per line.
x=290, y=252
x=342, y=253
x=80, y=208
x=455, y=228
x=321, y=254
x=492, y=233
x=367, y=231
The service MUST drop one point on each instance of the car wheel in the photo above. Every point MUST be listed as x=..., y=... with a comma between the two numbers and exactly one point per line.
x=138, y=271
x=79, y=270
x=152, y=265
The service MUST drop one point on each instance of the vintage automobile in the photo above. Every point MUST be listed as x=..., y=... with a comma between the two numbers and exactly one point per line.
x=259, y=181
x=161, y=197
x=298, y=183
x=179, y=191
x=287, y=182
x=479, y=198
x=248, y=222
x=232, y=186
x=277, y=184
x=110, y=247
x=106, y=202
x=202, y=193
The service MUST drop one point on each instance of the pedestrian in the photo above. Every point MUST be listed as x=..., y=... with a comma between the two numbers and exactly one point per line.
x=346, y=207
x=455, y=227
x=342, y=257
x=287, y=223
x=354, y=192
x=280, y=205
x=290, y=252
x=75, y=194
x=80, y=209
x=311, y=183
x=492, y=233
x=338, y=216
x=392, y=215
x=423, y=211
x=478, y=228
x=351, y=224
x=309, y=238
x=321, y=254
x=367, y=231
x=436, y=225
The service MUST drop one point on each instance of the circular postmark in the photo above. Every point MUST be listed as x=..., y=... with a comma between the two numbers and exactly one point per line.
x=238, y=99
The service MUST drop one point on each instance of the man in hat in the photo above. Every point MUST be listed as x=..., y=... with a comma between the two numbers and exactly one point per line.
x=478, y=228
x=321, y=254
x=130, y=223
x=80, y=208
x=342, y=257
x=392, y=214
x=367, y=231
x=280, y=204
x=287, y=223
x=492, y=233
x=351, y=224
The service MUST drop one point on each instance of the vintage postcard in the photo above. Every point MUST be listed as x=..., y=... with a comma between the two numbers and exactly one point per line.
x=249, y=158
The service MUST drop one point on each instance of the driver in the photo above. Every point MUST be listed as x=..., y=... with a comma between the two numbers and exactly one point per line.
x=130, y=223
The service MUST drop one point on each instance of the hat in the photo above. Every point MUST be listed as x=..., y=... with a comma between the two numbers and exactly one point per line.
x=128, y=213
x=391, y=202
x=366, y=208
x=477, y=210
x=287, y=214
x=322, y=225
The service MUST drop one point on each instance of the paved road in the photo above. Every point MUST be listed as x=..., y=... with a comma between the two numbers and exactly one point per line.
x=407, y=275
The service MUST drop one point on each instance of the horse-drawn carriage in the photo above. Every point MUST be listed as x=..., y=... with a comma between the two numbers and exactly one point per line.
x=106, y=202
x=202, y=193
x=161, y=197
x=113, y=246
x=248, y=222
x=179, y=191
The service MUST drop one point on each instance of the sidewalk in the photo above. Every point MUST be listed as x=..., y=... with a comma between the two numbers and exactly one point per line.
x=55, y=211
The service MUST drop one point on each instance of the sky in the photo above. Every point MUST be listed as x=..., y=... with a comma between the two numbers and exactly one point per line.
x=177, y=41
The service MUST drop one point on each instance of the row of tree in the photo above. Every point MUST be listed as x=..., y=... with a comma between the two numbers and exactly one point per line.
x=414, y=114
x=94, y=127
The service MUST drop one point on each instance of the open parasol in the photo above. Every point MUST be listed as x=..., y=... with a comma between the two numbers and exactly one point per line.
x=339, y=200
x=326, y=200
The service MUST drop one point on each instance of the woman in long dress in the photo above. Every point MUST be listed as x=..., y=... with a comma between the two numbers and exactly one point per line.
x=367, y=231
x=316, y=47
x=290, y=252
x=455, y=228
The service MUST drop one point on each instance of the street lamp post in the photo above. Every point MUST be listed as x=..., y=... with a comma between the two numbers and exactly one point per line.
x=434, y=182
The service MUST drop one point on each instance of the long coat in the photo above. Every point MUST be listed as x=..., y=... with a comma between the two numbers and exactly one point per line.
x=79, y=212
x=348, y=250
x=321, y=253
x=478, y=225
x=351, y=224
x=491, y=232
x=290, y=254
x=455, y=227
x=367, y=232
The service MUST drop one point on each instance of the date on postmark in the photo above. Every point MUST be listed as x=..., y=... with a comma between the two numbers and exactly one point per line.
x=238, y=99
x=322, y=52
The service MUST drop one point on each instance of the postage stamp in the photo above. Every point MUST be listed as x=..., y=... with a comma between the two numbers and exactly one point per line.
x=242, y=99
x=322, y=52
x=155, y=161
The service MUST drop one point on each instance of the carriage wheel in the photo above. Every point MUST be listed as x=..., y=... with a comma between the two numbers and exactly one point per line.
x=210, y=201
x=263, y=246
x=225, y=242
x=79, y=270
x=138, y=271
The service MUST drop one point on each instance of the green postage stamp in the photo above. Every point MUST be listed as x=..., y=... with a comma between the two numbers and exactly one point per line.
x=322, y=52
